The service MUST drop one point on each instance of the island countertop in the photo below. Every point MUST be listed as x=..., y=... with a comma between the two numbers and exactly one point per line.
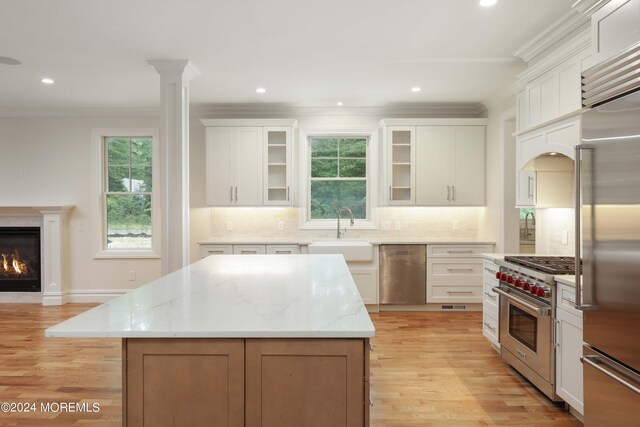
x=235, y=296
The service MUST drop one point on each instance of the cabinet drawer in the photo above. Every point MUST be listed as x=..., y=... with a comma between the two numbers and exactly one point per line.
x=566, y=299
x=490, y=327
x=206, y=250
x=283, y=249
x=457, y=250
x=490, y=298
x=454, y=271
x=248, y=249
x=468, y=294
x=490, y=268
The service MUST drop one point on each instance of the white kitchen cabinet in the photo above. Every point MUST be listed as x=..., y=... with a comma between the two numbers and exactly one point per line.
x=614, y=28
x=450, y=165
x=283, y=249
x=249, y=249
x=401, y=166
x=277, y=171
x=491, y=304
x=208, y=249
x=234, y=166
x=526, y=189
x=569, y=380
x=367, y=283
x=455, y=273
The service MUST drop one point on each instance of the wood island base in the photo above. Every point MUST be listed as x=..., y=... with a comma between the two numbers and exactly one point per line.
x=270, y=382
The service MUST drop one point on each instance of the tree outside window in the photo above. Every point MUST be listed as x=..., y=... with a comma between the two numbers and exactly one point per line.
x=338, y=176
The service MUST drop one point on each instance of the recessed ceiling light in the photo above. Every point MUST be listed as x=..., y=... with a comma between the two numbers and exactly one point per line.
x=487, y=3
x=9, y=61
x=416, y=89
x=339, y=103
x=261, y=90
x=47, y=81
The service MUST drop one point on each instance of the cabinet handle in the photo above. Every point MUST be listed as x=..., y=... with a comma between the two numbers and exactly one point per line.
x=461, y=251
x=453, y=192
x=459, y=269
x=448, y=193
x=231, y=193
x=489, y=326
x=460, y=292
x=215, y=252
x=283, y=252
x=390, y=193
x=493, y=297
x=248, y=252
x=287, y=193
x=236, y=193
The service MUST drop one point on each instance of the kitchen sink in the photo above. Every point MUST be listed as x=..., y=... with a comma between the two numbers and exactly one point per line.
x=352, y=250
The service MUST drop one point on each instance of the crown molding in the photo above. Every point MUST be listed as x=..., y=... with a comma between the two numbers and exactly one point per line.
x=80, y=112
x=577, y=18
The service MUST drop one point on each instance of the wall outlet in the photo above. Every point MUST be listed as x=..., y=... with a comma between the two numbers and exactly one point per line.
x=229, y=225
x=132, y=276
x=280, y=225
x=455, y=225
x=397, y=225
x=385, y=226
x=565, y=237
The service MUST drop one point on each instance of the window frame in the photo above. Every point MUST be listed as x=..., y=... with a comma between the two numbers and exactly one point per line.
x=99, y=179
x=372, y=168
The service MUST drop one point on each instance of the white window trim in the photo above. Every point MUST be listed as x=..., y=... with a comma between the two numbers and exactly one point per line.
x=98, y=212
x=372, y=178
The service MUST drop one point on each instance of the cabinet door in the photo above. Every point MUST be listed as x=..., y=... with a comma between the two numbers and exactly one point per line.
x=277, y=166
x=183, y=382
x=615, y=27
x=219, y=157
x=305, y=382
x=367, y=284
x=247, y=174
x=534, y=107
x=400, y=142
x=283, y=249
x=467, y=185
x=569, y=383
x=206, y=250
x=248, y=249
x=433, y=165
x=526, y=189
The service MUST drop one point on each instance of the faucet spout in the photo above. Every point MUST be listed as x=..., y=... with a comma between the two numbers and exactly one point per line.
x=342, y=209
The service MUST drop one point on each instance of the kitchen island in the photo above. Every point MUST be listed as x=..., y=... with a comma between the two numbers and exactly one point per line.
x=234, y=340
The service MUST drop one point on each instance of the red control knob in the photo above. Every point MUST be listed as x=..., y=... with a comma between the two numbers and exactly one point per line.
x=503, y=277
x=509, y=279
x=533, y=289
x=517, y=283
x=526, y=286
x=498, y=275
x=540, y=292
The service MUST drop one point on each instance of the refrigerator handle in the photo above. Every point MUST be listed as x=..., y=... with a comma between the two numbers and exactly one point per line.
x=578, y=226
x=593, y=362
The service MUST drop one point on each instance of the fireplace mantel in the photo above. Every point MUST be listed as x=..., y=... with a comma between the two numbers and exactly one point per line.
x=55, y=282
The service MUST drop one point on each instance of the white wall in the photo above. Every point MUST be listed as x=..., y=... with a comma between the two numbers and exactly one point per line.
x=48, y=161
x=551, y=223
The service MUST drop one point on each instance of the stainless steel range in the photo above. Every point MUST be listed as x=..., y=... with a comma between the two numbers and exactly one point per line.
x=527, y=311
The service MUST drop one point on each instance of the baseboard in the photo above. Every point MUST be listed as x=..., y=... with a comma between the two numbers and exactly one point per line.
x=20, y=297
x=95, y=295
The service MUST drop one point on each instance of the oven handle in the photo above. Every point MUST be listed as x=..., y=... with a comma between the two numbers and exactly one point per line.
x=542, y=311
x=593, y=362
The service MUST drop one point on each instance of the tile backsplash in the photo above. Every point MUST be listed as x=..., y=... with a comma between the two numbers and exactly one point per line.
x=409, y=222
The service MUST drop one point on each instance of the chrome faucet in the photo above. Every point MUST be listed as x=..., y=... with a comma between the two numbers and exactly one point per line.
x=344, y=208
x=526, y=223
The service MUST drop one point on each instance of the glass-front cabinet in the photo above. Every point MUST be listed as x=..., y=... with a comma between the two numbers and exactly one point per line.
x=277, y=176
x=401, y=174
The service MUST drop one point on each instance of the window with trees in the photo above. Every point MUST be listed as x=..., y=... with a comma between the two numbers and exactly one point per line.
x=338, y=176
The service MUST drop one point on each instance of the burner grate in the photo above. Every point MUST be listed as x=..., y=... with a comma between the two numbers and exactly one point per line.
x=545, y=264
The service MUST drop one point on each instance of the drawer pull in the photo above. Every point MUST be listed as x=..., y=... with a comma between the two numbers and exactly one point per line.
x=215, y=252
x=460, y=292
x=459, y=269
x=283, y=252
x=460, y=251
x=493, y=297
x=248, y=252
x=489, y=326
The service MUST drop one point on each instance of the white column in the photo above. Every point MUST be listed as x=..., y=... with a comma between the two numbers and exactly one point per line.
x=55, y=281
x=174, y=160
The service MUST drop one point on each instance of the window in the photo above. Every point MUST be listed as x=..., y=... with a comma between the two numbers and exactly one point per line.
x=338, y=168
x=338, y=177
x=125, y=199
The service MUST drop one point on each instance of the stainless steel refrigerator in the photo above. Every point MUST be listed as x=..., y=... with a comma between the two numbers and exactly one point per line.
x=608, y=191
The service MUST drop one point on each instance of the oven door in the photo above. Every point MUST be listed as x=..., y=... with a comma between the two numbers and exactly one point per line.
x=526, y=331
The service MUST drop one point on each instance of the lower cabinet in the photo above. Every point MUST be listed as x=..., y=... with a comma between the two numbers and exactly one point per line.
x=491, y=304
x=214, y=249
x=367, y=283
x=245, y=382
x=569, y=381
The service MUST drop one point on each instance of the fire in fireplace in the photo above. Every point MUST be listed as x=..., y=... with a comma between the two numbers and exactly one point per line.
x=20, y=259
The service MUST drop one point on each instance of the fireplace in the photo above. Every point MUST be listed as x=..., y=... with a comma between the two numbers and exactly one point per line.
x=20, y=259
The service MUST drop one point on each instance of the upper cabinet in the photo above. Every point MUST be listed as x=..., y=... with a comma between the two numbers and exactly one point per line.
x=248, y=164
x=614, y=28
x=435, y=162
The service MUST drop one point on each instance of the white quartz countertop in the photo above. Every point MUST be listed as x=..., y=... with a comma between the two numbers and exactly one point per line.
x=235, y=296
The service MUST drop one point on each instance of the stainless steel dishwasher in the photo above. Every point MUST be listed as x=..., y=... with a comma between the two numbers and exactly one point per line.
x=403, y=277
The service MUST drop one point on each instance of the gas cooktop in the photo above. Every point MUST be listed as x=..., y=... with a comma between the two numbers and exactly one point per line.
x=546, y=264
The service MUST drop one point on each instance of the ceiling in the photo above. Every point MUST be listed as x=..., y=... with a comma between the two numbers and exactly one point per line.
x=360, y=52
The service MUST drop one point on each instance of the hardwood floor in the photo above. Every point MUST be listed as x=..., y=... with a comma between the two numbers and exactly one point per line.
x=427, y=369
